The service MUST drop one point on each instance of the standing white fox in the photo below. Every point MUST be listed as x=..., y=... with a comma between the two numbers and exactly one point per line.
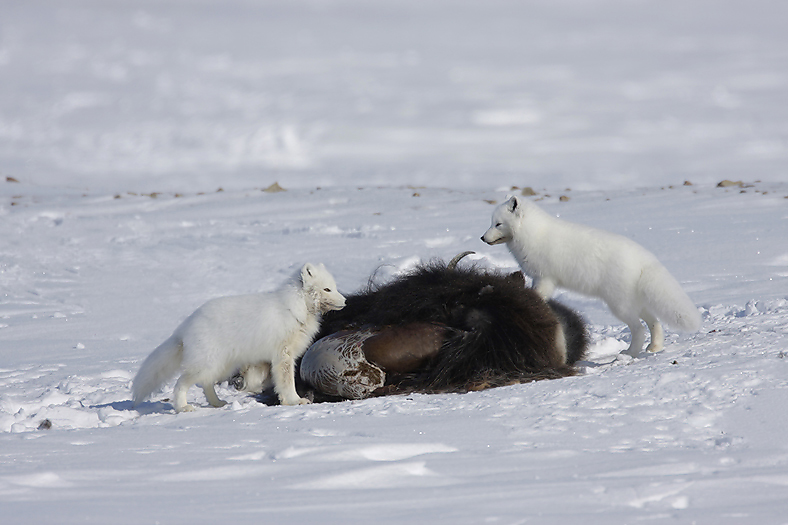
x=629, y=278
x=267, y=331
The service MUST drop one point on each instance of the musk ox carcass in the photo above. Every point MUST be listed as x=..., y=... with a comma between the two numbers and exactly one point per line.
x=441, y=328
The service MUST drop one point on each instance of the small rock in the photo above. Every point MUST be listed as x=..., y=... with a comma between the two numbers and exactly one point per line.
x=528, y=192
x=563, y=198
x=728, y=183
x=11, y=179
x=45, y=425
x=274, y=188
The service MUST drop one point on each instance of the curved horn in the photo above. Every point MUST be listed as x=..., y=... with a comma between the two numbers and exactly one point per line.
x=453, y=263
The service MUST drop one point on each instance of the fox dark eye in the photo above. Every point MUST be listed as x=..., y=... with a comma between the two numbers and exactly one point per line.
x=499, y=225
x=326, y=289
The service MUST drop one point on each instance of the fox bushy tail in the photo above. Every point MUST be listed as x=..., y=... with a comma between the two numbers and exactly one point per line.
x=157, y=368
x=666, y=299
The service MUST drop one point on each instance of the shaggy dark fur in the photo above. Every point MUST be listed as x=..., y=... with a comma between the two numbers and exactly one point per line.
x=498, y=332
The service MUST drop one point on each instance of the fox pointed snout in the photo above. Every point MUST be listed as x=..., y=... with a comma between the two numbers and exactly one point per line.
x=339, y=303
x=493, y=241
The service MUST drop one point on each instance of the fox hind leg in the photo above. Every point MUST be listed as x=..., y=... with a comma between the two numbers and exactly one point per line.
x=256, y=377
x=638, y=336
x=657, y=335
x=628, y=313
x=210, y=395
x=179, y=395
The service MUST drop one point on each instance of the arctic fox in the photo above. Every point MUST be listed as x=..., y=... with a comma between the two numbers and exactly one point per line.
x=268, y=331
x=557, y=253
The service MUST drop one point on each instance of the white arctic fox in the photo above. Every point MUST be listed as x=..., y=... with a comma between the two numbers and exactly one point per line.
x=267, y=331
x=557, y=253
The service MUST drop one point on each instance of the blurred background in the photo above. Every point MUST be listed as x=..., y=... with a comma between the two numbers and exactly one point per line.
x=189, y=95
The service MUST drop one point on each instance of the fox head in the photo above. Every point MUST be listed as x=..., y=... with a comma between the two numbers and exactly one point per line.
x=503, y=219
x=320, y=285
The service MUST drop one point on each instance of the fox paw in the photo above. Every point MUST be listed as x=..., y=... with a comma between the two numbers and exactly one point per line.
x=296, y=401
x=631, y=352
x=185, y=408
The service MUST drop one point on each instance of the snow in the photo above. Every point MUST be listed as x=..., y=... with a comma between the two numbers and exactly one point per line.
x=392, y=128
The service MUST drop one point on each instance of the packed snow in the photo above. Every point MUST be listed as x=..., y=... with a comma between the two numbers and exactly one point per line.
x=139, y=142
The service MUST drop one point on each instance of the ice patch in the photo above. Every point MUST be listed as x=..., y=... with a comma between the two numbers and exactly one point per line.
x=507, y=117
x=656, y=494
x=216, y=474
x=42, y=480
x=124, y=375
x=668, y=469
x=388, y=476
x=294, y=452
x=771, y=480
x=780, y=262
x=393, y=451
x=439, y=242
x=381, y=452
x=254, y=456
x=80, y=100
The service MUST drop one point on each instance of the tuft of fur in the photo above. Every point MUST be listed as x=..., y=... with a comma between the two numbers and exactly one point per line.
x=496, y=331
x=243, y=331
x=629, y=278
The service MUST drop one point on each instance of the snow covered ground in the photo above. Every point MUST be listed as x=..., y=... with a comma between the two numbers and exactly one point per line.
x=392, y=127
x=176, y=94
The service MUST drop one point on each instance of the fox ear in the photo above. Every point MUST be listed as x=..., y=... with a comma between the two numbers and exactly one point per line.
x=307, y=272
x=513, y=204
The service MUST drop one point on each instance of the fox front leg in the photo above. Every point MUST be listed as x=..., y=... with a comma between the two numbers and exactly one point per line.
x=283, y=372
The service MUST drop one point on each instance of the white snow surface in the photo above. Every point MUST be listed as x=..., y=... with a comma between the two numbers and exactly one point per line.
x=393, y=126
